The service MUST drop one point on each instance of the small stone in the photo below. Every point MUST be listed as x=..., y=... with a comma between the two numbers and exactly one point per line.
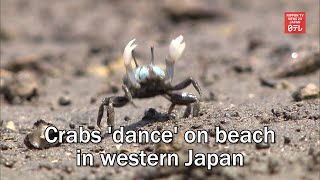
x=196, y=126
x=276, y=112
x=3, y=147
x=72, y=126
x=91, y=127
x=223, y=121
x=212, y=132
x=149, y=114
x=36, y=139
x=93, y=100
x=287, y=140
x=64, y=100
x=234, y=114
x=159, y=128
x=309, y=91
x=127, y=118
x=11, y=125
x=284, y=85
x=268, y=83
x=227, y=115
x=262, y=145
x=9, y=163
x=148, y=149
x=242, y=68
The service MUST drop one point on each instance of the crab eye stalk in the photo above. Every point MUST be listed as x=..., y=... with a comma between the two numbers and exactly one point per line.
x=176, y=49
x=127, y=57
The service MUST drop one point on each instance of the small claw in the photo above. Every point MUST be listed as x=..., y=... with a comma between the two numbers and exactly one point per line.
x=127, y=53
x=127, y=56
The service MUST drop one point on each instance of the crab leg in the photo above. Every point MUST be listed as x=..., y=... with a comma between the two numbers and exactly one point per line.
x=111, y=102
x=184, y=99
x=185, y=83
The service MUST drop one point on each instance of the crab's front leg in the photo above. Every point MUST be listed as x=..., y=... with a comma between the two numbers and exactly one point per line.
x=111, y=102
x=185, y=83
x=186, y=99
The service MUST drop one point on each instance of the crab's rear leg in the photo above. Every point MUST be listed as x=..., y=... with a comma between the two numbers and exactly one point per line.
x=184, y=98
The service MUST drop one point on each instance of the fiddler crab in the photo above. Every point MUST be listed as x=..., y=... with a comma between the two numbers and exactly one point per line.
x=147, y=81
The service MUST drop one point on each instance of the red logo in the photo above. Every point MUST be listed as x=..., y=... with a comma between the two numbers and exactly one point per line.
x=295, y=22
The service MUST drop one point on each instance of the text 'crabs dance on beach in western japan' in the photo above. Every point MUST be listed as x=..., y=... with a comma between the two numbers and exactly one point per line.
x=145, y=81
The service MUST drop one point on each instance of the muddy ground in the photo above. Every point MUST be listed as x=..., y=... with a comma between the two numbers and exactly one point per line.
x=59, y=59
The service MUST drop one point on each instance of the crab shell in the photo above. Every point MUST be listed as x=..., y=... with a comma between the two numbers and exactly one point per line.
x=145, y=73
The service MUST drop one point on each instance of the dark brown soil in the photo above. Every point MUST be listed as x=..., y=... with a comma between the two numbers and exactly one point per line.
x=59, y=59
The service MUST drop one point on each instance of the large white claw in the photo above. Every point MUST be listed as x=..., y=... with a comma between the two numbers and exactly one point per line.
x=127, y=53
x=176, y=48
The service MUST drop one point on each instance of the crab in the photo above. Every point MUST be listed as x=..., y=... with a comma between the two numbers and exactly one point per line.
x=148, y=81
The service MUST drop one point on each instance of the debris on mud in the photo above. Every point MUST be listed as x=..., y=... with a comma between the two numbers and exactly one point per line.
x=192, y=10
x=19, y=86
x=11, y=125
x=36, y=139
x=242, y=68
x=153, y=114
x=300, y=63
x=306, y=92
x=64, y=100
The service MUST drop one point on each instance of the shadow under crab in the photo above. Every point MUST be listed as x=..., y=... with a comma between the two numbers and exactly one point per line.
x=148, y=81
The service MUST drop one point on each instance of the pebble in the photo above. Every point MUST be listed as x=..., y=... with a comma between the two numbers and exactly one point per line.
x=91, y=127
x=127, y=118
x=196, y=126
x=11, y=125
x=64, y=100
x=268, y=83
x=72, y=126
x=242, y=68
x=307, y=92
x=262, y=145
x=149, y=114
x=36, y=138
x=287, y=140
x=9, y=163
x=4, y=147
x=93, y=100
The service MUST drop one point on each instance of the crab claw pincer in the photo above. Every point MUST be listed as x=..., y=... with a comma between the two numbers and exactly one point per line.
x=127, y=57
x=176, y=49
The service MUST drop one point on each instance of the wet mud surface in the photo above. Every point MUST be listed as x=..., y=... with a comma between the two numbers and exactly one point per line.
x=59, y=59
